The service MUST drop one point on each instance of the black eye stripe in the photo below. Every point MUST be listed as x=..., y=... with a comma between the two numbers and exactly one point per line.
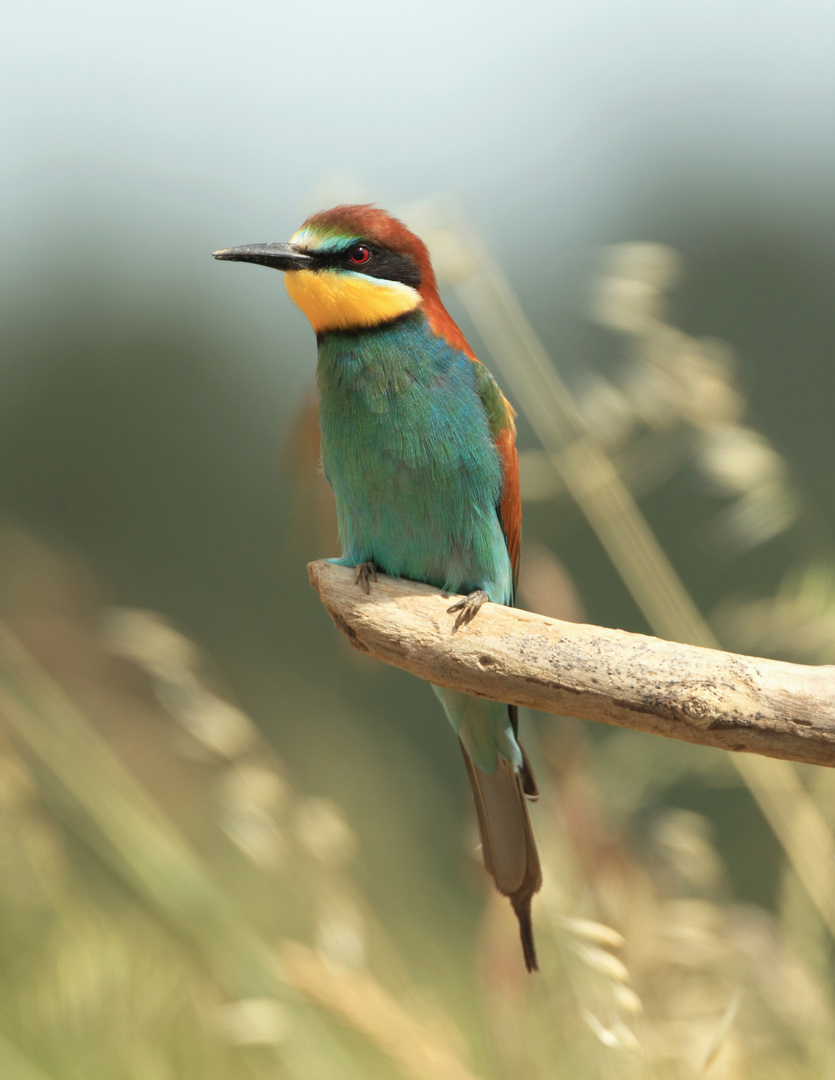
x=389, y=265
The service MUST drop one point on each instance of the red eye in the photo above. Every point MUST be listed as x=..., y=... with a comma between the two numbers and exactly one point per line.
x=359, y=255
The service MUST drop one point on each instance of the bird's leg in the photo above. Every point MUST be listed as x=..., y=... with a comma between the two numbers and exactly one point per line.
x=366, y=573
x=467, y=607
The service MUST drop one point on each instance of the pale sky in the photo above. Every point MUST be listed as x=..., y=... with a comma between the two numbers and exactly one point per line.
x=169, y=111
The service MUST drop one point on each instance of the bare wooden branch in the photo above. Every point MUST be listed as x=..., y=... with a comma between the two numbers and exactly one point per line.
x=681, y=691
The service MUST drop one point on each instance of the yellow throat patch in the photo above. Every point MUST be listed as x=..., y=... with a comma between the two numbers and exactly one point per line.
x=335, y=300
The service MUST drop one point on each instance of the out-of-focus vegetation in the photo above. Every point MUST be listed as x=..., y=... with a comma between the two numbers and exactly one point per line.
x=231, y=848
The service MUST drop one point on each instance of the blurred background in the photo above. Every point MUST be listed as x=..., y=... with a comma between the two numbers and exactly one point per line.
x=231, y=848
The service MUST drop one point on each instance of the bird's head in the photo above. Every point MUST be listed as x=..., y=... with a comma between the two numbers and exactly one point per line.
x=350, y=267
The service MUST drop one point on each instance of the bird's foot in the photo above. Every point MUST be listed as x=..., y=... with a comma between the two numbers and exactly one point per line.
x=467, y=607
x=366, y=573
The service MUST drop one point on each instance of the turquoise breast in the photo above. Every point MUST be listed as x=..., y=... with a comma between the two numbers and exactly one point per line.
x=408, y=451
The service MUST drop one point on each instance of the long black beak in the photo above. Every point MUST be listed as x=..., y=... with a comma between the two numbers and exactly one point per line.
x=279, y=256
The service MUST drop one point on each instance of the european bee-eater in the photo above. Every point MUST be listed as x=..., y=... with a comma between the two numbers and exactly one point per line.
x=418, y=444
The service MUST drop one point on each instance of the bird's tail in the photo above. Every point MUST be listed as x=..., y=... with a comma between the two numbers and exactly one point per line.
x=507, y=841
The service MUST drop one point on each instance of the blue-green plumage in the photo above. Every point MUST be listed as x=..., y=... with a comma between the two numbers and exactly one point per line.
x=408, y=449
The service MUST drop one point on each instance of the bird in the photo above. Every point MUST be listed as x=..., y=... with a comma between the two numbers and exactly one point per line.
x=418, y=444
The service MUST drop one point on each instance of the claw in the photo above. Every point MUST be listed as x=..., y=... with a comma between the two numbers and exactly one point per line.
x=366, y=572
x=467, y=607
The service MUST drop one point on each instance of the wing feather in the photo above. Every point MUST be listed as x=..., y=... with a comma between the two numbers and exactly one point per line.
x=509, y=509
